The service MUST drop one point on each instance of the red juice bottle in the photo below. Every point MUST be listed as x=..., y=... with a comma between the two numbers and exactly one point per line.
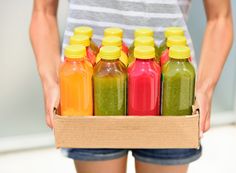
x=84, y=41
x=144, y=78
x=117, y=32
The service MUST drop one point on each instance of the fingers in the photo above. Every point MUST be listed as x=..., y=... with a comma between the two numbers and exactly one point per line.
x=205, y=107
x=48, y=121
x=202, y=116
x=52, y=101
x=207, y=123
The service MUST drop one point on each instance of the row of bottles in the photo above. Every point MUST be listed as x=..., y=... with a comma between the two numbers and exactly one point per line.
x=97, y=81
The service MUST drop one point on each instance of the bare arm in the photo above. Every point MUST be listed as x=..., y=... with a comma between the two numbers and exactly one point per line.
x=46, y=44
x=215, y=49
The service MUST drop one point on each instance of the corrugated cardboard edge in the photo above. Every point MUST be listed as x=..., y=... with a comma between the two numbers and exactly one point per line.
x=127, y=131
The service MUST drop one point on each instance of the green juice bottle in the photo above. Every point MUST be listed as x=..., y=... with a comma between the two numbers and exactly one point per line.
x=110, y=83
x=169, y=31
x=178, y=83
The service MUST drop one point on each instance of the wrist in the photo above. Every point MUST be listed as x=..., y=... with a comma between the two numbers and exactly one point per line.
x=49, y=79
x=205, y=87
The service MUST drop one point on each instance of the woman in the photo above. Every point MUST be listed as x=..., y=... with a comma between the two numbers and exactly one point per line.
x=130, y=14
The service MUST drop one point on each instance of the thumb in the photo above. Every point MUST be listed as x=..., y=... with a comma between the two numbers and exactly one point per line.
x=202, y=111
x=52, y=104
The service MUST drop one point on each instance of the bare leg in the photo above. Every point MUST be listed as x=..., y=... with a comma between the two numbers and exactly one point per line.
x=142, y=167
x=113, y=166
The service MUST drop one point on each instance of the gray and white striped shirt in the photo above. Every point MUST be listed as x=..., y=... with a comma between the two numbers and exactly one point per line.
x=128, y=15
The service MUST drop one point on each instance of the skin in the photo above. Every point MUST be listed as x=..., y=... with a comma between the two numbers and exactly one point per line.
x=216, y=45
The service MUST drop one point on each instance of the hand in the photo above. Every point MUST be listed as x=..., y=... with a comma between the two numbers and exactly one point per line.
x=204, y=100
x=51, y=101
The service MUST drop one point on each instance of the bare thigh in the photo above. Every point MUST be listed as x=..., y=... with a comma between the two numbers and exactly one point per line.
x=142, y=167
x=113, y=166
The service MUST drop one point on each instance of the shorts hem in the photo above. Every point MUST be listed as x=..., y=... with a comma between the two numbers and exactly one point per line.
x=96, y=157
x=180, y=161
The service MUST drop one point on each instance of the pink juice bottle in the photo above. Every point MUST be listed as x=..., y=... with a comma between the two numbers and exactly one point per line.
x=144, y=78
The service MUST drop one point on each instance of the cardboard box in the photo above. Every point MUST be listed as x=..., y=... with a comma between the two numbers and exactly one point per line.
x=127, y=131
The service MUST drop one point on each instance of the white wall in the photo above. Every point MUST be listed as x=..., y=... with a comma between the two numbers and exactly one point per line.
x=21, y=100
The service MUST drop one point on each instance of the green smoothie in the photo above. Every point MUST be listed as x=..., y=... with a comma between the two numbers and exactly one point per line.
x=178, y=83
x=110, y=83
x=110, y=95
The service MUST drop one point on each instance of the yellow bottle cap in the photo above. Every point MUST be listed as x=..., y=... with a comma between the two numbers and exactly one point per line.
x=176, y=41
x=171, y=31
x=124, y=59
x=110, y=52
x=144, y=41
x=117, y=32
x=111, y=41
x=179, y=52
x=80, y=40
x=144, y=52
x=84, y=30
x=75, y=51
x=141, y=32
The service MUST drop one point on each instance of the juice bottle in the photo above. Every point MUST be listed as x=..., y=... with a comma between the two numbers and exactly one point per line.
x=170, y=31
x=144, y=77
x=178, y=83
x=76, y=82
x=86, y=30
x=141, y=41
x=171, y=41
x=114, y=41
x=117, y=32
x=110, y=83
x=84, y=41
x=142, y=32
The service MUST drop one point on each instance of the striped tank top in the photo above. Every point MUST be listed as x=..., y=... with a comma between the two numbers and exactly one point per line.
x=128, y=15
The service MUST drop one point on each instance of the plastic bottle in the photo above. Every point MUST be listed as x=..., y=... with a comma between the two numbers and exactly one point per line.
x=76, y=83
x=114, y=41
x=170, y=31
x=171, y=41
x=144, y=32
x=86, y=30
x=144, y=78
x=141, y=41
x=110, y=83
x=84, y=41
x=117, y=32
x=178, y=83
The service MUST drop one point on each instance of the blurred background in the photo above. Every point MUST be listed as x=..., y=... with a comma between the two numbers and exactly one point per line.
x=25, y=140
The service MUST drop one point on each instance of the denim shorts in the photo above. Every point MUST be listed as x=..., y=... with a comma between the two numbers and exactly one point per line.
x=154, y=156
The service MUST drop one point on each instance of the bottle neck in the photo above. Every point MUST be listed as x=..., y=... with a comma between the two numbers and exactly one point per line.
x=110, y=60
x=146, y=60
x=178, y=60
x=74, y=59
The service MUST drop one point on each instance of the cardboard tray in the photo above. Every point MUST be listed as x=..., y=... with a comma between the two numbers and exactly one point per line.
x=127, y=131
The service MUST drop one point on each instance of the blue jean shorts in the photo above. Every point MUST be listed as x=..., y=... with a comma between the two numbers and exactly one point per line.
x=154, y=156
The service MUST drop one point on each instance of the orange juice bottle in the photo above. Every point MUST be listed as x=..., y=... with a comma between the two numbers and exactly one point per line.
x=76, y=82
x=86, y=30
x=84, y=41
